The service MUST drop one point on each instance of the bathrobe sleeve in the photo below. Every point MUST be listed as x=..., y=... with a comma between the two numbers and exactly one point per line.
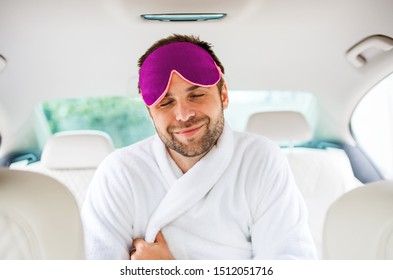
x=107, y=214
x=280, y=229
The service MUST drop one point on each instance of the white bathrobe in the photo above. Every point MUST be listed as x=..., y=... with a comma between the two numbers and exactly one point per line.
x=239, y=201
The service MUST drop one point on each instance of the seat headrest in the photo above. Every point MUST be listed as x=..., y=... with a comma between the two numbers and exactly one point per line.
x=76, y=149
x=359, y=225
x=280, y=126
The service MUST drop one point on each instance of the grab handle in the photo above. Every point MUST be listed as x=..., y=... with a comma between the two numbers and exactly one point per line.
x=355, y=54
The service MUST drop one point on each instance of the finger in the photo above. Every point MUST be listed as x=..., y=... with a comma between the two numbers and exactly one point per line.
x=138, y=243
x=134, y=256
x=133, y=250
x=160, y=238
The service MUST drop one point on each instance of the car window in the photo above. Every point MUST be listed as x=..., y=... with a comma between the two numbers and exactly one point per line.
x=127, y=120
x=242, y=104
x=372, y=125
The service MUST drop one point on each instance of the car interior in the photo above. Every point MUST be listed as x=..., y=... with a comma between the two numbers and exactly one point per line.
x=316, y=77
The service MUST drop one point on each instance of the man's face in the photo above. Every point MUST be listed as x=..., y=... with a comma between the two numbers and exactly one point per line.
x=190, y=119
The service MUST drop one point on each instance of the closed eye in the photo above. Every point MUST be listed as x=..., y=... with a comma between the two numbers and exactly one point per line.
x=197, y=95
x=165, y=103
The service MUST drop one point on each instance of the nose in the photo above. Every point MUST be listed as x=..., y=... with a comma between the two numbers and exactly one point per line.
x=184, y=111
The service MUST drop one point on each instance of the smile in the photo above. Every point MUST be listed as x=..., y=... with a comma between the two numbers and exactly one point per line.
x=189, y=131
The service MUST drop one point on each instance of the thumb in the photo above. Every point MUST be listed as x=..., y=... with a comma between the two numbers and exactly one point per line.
x=160, y=238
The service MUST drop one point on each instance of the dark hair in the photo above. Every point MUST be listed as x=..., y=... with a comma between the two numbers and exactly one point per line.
x=183, y=38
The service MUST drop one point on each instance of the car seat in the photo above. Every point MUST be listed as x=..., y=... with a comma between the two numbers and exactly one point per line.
x=39, y=218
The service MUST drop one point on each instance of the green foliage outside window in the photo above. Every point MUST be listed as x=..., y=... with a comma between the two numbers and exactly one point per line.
x=125, y=119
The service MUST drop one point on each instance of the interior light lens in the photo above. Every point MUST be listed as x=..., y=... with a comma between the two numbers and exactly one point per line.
x=184, y=17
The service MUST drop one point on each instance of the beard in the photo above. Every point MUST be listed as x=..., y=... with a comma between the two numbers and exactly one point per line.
x=194, y=146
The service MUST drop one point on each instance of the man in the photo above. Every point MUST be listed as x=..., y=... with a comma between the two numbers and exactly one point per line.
x=196, y=190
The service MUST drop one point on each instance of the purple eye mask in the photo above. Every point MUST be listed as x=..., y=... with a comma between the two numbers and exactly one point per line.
x=191, y=62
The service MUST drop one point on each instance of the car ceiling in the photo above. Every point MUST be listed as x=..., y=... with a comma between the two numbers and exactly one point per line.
x=69, y=48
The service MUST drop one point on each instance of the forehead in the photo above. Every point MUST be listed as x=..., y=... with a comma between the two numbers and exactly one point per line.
x=178, y=84
x=176, y=80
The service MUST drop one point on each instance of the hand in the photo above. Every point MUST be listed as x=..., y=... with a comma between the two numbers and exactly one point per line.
x=151, y=251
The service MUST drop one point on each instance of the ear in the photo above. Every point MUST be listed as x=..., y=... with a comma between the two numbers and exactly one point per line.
x=224, y=96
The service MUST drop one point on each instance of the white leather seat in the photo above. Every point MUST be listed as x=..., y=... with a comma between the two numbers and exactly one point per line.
x=322, y=175
x=72, y=158
x=39, y=218
x=359, y=225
